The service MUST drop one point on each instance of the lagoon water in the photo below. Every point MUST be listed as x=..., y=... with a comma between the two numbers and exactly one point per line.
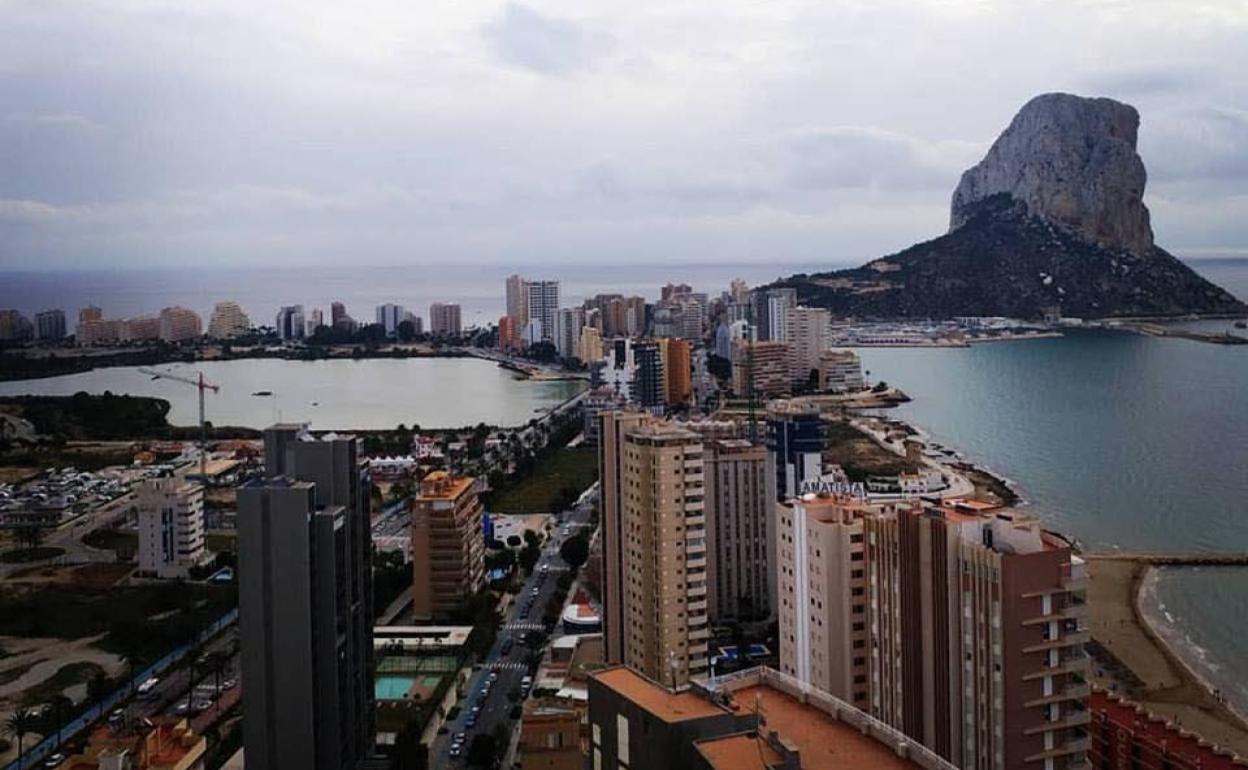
x=370, y=394
x=1121, y=440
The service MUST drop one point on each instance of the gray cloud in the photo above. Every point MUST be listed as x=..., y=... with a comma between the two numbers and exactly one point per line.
x=296, y=131
x=525, y=38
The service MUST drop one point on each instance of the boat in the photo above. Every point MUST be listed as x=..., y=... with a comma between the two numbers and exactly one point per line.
x=263, y=393
x=1241, y=324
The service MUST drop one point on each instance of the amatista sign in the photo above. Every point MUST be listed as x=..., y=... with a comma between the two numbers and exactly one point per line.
x=825, y=487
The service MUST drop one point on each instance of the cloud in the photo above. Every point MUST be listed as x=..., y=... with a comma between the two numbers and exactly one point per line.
x=527, y=39
x=865, y=156
x=56, y=120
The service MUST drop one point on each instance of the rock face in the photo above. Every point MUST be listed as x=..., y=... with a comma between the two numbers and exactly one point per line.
x=1052, y=219
x=1071, y=161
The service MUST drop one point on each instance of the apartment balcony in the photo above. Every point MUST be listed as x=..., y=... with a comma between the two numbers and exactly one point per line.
x=1080, y=746
x=1074, y=665
x=700, y=634
x=695, y=521
x=696, y=563
x=1077, y=692
x=1065, y=640
x=697, y=608
x=698, y=650
x=1079, y=719
x=696, y=590
x=1073, y=612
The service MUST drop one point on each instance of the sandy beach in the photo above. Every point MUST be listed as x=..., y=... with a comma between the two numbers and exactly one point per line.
x=1139, y=665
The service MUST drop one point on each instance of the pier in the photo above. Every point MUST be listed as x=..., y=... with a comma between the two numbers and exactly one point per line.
x=1175, y=558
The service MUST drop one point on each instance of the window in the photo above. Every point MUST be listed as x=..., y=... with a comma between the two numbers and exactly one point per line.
x=621, y=738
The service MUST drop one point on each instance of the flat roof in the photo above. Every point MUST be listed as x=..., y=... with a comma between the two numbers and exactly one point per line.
x=441, y=485
x=668, y=706
x=824, y=741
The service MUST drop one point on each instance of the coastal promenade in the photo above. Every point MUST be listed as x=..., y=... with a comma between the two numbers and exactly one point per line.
x=1176, y=558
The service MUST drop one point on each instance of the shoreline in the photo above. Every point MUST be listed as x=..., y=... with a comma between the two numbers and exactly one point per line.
x=1147, y=602
x=1156, y=675
x=1131, y=658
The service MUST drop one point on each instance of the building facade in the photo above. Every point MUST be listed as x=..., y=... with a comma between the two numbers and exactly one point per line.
x=567, y=335
x=389, y=316
x=517, y=300
x=178, y=324
x=306, y=604
x=543, y=303
x=448, y=545
x=613, y=424
x=807, y=331
x=765, y=365
x=50, y=325
x=289, y=322
x=664, y=553
x=445, y=319
x=960, y=625
x=840, y=371
x=228, y=321
x=738, y=531
x=647, y=389
x=171, y=527
x=677, y=372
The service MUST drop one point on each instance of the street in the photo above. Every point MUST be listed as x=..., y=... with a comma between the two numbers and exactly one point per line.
x=492, y=708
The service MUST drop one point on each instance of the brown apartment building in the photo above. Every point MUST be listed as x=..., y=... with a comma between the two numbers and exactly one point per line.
x=962, y=625
x=448, y=548
x=769, y=363
x=612, y=425
x=738, y=530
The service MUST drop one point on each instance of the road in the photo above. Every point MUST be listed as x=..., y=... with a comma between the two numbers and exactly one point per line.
x=492, y=709
x=69, y=536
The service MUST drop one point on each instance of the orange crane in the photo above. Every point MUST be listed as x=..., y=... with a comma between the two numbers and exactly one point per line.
x=203, y=424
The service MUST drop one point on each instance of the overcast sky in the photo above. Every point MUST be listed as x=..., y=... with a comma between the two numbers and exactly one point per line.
x=237, y=132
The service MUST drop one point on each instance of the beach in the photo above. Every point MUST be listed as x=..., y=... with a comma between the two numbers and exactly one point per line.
x=1136, y=662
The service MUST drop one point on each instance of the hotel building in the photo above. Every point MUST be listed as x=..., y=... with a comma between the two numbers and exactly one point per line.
x=178, y=324
x=766, y=364
x=228, y=320
x=448, y=545
x=445, y=319
x=807, y=330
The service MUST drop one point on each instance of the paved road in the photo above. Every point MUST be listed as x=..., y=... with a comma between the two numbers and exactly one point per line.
x=69, y=536
x=493, y=708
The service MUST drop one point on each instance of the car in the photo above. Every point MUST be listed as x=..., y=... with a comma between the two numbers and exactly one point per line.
x=471, y=721
x=229, y=684
x=535, y=591
x=54, y=761
x=455, y=750
x=148, y=685
x=545, y=568
x=493, y=677
x=460, y=737
x=476, y=709
x=117, y=715
x=506, y=648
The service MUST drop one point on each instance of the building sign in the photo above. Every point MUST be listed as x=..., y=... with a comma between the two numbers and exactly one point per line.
x=826, y=487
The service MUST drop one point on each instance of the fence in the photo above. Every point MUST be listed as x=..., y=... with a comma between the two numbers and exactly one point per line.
x=34, y=755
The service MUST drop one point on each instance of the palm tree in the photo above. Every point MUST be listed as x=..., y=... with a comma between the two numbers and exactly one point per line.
x=62, y=711
x=20, y=723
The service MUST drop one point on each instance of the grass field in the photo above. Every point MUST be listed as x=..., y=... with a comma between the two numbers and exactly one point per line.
x=568, y=471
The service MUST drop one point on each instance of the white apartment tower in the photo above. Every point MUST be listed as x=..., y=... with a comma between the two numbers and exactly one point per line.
x=171, y=527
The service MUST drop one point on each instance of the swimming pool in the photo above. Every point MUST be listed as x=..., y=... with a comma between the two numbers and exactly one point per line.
x=392, y=687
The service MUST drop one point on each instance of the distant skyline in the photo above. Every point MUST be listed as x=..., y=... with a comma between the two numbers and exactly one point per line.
x=148, y=133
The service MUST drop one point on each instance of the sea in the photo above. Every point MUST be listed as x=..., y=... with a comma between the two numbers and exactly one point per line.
x=1121, y=440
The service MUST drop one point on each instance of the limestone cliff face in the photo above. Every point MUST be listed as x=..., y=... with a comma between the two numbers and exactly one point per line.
x=1071, y=161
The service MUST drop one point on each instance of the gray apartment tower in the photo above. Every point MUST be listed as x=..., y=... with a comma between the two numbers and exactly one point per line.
x=305, y=598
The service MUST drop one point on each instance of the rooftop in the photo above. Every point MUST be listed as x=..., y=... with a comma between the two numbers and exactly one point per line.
x=441, y=485
x=823, y=741
x=659, y=701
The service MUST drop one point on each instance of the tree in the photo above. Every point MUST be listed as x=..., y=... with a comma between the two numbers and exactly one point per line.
x=30, y=536
x=528, y=557
x=60, y=713
x=18, y=725
x=405, y=331
x=575, y=550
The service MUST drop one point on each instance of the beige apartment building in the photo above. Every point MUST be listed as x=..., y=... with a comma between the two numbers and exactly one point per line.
x=960, y=625
x=737, y=530
x=612, y=425
x=768, y=363
x=448, y=546
x=171, y=526
x=179, y=323
x=663, y=552
x=807, y=331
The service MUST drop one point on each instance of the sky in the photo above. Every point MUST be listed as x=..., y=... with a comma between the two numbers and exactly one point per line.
x=147, y=133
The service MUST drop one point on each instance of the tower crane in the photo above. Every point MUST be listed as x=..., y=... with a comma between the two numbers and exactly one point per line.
x=203, y=425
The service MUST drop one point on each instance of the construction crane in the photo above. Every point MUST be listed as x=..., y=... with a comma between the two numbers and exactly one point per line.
x=203, y=424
